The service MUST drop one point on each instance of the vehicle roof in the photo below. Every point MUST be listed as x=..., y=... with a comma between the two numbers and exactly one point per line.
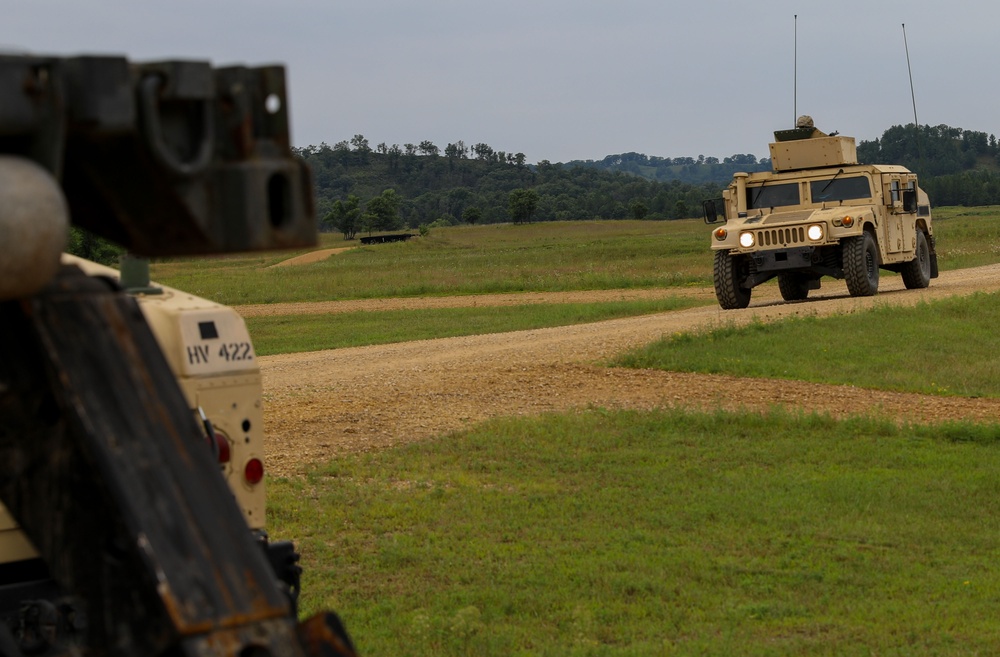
x=796, y=174
x=169, y=297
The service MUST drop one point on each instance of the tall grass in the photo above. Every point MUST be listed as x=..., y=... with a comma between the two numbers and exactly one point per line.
x=623, y=533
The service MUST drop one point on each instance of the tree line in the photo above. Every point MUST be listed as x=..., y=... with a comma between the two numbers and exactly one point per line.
x=956, y=166
x=693, y=170
x=478, y=184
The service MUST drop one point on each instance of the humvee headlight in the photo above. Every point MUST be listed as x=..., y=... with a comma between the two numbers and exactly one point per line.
x=815, y=232
x=747, y=240
x=720, y=233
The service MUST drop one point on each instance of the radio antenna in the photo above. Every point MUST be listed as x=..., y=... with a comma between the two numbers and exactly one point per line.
x=910, y=72
x=795, y=70
x=913, y=97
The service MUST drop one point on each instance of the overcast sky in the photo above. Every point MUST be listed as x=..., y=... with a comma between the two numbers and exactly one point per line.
x=562, y=79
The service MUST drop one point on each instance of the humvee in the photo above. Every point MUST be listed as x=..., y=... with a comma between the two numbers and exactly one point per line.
x=819, y=213
x=210, y=353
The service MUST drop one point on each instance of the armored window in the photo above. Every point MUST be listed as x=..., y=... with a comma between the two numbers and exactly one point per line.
x=840, y=189
x=772, y=196
x=894, y=194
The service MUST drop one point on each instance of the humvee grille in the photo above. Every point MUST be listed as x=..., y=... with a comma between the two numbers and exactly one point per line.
x=781, y=236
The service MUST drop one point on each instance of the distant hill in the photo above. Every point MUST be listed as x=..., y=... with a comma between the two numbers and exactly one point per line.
x=684, y=169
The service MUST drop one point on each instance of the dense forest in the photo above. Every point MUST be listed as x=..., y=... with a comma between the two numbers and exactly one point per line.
x=360, y=188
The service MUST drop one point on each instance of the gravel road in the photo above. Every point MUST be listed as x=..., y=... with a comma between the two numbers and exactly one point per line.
x=324, y=403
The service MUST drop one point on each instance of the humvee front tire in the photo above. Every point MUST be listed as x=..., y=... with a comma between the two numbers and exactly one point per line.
x=729, y=273
x=793, y=287
x=917, y=272
x=860, y=255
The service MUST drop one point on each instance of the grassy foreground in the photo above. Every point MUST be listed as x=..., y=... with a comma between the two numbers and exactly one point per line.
x=676, y=533
x=665, y=533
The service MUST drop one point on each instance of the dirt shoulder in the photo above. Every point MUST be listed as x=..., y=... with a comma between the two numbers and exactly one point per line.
x=321, y=404
x=312, y=256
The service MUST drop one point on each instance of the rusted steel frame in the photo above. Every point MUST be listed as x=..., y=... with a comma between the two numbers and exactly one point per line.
x=164, y=158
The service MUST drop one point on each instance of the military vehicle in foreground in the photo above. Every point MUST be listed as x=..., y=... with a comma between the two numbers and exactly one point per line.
x=209, y=350
x=103, y=464
x=819, y=213
x=211, y=355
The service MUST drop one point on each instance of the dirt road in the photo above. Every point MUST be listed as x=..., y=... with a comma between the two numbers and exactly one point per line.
x=320, y=404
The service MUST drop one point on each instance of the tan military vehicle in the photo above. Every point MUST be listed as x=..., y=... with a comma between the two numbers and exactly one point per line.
x=819, y=213
x=209, y=351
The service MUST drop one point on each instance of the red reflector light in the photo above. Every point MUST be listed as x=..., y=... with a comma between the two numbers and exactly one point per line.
x=254, y=471
x=222, y=446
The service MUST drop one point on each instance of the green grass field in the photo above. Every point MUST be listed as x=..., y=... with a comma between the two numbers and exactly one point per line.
x=551, y=256
x=660, y=533
x=556, y=256
x=663, y=533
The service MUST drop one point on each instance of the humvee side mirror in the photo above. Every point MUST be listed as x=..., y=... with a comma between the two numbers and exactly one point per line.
x=909, y=200
x=711, y=211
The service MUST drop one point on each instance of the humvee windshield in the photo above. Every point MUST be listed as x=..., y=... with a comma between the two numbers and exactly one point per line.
x=772, y=196
x=840, y=189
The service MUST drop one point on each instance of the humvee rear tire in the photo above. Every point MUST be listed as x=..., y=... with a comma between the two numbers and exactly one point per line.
x=917, y=272
x=860, y=256
x=793, y=287
x=729, y=272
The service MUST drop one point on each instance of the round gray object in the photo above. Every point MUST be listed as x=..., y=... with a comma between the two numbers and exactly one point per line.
x=34, y=226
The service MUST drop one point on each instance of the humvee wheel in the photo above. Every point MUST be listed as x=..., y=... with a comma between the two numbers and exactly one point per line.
x=917, y=272
x=729, y=273
x=793, y=287
x=861, y=265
